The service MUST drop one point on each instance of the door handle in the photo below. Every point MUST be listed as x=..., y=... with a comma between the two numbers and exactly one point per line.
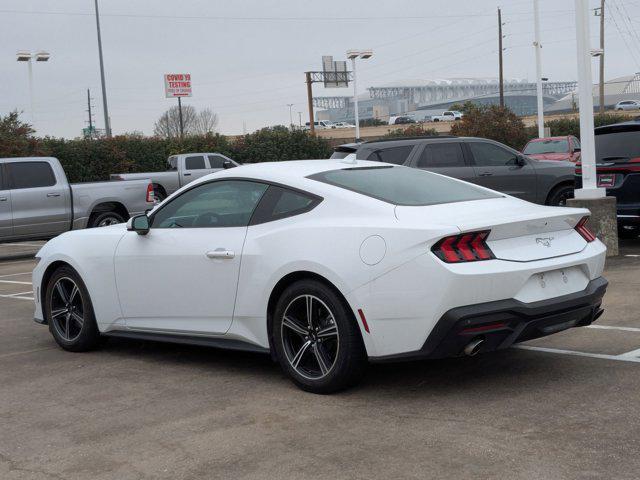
x=220, y=253
x=3, y=199
x=486, y=174
x=53, y=195
x=186, y=174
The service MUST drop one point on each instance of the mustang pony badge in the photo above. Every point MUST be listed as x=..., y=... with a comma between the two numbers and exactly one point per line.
x=545, y=242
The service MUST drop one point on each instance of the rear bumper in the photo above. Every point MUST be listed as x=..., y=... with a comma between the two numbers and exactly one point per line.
x=502, y=323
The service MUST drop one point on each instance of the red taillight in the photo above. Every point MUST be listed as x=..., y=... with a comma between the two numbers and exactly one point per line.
x=150, y=196
x=467, y=247
x=583, y=230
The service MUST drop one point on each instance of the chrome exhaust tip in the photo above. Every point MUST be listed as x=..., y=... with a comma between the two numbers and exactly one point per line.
x=473, y=347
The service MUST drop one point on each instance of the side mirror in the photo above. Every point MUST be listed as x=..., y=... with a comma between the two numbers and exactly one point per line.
x=139, y=224
x=227, y=164
x=521, y=161
x=576, y=149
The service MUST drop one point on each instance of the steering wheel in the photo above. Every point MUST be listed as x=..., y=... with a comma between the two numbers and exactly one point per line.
x=207, y=219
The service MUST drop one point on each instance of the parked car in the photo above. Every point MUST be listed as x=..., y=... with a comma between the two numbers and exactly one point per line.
x=403, y=120
x=181, y=170
x=327, y=265
x=37, y=201
x=618, y=170
x=476, y=160
x=627, y=105
x=553, y=148
x=344, y=125
x=448, y=116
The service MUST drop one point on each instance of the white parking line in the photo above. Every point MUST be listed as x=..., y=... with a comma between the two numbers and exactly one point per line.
x=613, y=327
x=17, y=295
x=14, y=274
x=625, y=357
x=15, y=282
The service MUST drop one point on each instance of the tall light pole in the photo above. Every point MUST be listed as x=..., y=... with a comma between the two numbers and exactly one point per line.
x=290, y=105
x=23, y=56
x=585, y=101
x=538, y=47
x=353, y=55
x=107, y=125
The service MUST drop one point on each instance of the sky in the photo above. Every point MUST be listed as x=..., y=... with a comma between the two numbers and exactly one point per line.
x=247, y=58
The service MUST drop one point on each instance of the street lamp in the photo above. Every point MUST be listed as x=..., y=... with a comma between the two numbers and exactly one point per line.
x=24, y=56
x=352, y=55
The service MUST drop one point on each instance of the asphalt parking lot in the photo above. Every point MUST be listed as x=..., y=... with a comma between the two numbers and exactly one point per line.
x=562, y=407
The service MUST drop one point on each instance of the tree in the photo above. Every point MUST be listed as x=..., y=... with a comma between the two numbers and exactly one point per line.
x=206, y=122
x=493, y=122
x=16, y=137
x=193, y=122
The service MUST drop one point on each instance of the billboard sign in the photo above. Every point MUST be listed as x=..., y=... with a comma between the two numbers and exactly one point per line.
x=177, y=85
x=335, y=73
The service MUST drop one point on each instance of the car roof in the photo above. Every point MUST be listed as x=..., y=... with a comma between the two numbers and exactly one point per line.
x=563, y=137
x=631, y=126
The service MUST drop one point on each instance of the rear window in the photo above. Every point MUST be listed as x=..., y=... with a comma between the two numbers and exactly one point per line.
x=194, y=163
x=395, y=155
x=617, y=146
x=403, y=185
x=547, y=146
x=30, y=174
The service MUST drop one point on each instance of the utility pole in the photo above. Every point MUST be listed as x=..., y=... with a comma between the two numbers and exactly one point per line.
x=180, y=117
x=538, y=47
x=107, y=126
x=90, y=114
x=312, y=129
x=290, y=105
x=601, y=99
x=501, y=76
x=300, y=119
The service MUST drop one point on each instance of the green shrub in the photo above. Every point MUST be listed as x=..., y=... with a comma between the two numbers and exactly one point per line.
x=493, y=122
x=413, y=130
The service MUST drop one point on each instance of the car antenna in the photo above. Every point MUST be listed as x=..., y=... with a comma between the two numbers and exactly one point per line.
x=351, y=159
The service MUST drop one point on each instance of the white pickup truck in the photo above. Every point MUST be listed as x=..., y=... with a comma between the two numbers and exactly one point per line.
x=448, y=116
x=37, y=201
x=181, y=169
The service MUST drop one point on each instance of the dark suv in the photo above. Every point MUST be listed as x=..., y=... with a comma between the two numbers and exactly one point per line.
x=477, y=160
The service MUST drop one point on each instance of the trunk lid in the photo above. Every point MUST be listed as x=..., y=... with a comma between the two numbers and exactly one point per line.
x=520, y=231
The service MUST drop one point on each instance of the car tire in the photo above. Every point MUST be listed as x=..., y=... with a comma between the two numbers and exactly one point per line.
x=325, y=355
x=105, y=219
x=69, y=312
x=559, y=195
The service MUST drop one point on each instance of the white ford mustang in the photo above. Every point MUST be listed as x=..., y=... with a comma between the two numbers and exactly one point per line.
x=327, y=265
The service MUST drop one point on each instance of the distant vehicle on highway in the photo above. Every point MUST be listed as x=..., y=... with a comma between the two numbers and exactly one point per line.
x=448, y=116
x=181, y=169
x=403, y=120
x=344, y=125
x=476, y=160
x=37, y=201
x=618, y=170
x=320, y=125
x=628, y=105
x=326, y=265
x=554, y=148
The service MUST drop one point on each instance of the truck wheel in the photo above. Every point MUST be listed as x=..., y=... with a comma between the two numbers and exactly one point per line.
x=105, y=219
x=558, y=197
x=69, y=312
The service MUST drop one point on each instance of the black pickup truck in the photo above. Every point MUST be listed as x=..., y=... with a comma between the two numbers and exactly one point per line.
x=618, y=170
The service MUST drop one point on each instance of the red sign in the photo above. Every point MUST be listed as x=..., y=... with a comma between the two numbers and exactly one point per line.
x=177, y=85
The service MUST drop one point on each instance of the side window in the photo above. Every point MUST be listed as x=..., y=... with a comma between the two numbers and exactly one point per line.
x=228, y=203
x=281, y=202
x=490, y=155
x=395, y=155
x=576, y=142
x=30, y=175
x=194, y=163
x=216, y=161
x=172, y=164
x=441, y=155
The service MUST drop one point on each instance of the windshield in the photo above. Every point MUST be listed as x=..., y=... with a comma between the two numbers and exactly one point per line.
x=403, y=185
x=547, y=146
x=615, y=145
